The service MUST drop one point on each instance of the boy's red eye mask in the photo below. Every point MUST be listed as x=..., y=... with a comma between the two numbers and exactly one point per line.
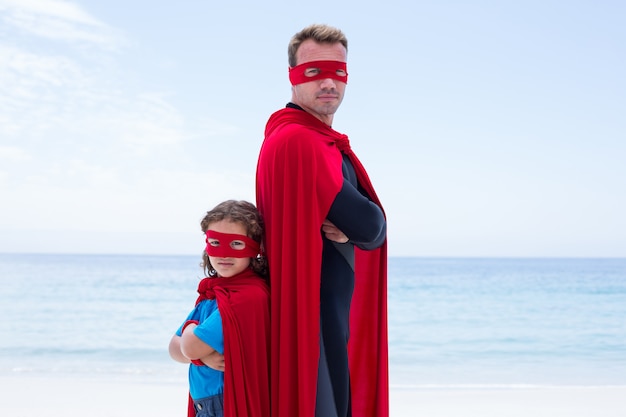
x=227, y=248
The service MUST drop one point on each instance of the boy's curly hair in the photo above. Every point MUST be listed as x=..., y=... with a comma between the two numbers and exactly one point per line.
x=238, y=211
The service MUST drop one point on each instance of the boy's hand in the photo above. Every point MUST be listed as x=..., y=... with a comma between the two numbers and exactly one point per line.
x=214, y=360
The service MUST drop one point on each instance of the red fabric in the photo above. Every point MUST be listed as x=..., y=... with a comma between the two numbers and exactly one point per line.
x=336, y=70
x=225, y=249
x=243, y=301
x=298, y=176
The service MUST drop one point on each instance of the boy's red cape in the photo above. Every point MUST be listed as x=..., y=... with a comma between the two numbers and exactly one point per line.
x=243, y=302
x=298, y=176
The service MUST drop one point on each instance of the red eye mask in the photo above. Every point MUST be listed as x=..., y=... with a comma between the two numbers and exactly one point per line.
x=318, y=70
x=228, y=248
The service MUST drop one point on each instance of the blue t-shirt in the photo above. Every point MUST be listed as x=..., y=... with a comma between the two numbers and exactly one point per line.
x=205, y=381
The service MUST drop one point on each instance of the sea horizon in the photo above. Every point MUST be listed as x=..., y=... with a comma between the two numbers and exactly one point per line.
x=453, y=321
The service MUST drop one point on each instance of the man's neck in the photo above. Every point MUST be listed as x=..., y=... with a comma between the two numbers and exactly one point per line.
x=292, y=105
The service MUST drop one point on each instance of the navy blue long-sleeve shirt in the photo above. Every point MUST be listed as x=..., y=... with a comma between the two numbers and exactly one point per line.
x=363, y=222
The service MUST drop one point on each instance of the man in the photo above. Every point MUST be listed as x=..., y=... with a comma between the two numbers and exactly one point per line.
x=326, y=247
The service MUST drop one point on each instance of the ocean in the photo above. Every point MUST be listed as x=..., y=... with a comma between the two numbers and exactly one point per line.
x=452, y=321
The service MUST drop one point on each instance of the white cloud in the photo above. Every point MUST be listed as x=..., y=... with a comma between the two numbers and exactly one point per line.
x=47, y=96
x=57, y=20
x=54, y=95
x=37, y=70
x=53, y=8
x=105, y=199
x=28, y=75
x=83, y=147
x=13, y=153
x=36, y=90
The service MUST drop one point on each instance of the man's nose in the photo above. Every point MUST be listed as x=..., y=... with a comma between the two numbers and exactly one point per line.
x=327, y=83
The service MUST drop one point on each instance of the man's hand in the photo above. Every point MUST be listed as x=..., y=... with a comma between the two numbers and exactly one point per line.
x=333, y=233
x=214, y=360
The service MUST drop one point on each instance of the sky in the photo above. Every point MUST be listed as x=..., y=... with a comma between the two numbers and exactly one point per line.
x=488, y=128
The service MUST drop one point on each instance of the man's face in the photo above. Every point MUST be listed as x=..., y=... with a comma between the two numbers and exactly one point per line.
x=320, y=97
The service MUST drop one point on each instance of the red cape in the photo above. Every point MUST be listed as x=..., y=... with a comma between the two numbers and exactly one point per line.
x=298, y=177
x=243, y=302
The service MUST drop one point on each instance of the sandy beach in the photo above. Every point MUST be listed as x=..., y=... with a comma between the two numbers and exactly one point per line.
x=27, y=396
x=510, y=402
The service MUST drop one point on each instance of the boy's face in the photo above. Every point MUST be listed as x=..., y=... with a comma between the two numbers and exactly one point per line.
x=228, y=266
